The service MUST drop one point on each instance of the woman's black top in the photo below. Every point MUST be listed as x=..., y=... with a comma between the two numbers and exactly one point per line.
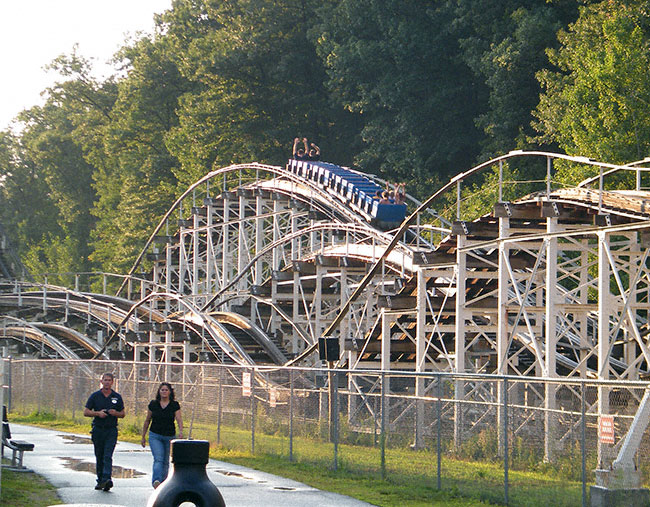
x=162, y=419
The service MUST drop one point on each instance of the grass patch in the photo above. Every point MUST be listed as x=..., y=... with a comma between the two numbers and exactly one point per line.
x=21, y=489
x=409, y=479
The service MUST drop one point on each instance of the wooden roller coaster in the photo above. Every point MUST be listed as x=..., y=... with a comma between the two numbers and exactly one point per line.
x=254, y=263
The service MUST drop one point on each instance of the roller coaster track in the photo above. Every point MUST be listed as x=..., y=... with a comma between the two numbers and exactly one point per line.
x=253, y=263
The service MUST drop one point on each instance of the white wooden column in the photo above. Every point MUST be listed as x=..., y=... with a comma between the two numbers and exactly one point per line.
x=386, y=321
x=195, y=255
x=459, y=362
x=297, y=344
x=604, y=312
x=226, y=261
x=277, y=208
x=343, y=297
x=502, y=297
x=420, y=361
x=209, y=247
x=550, y=331
x=317, y=302
x=169, y=269
x=585, y=342
x=243, y=245
x=182, y=258
x=259, y=246
x=503, y=281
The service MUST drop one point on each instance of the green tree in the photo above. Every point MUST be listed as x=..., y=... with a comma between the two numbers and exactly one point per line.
x=596, y=101
x=27, y=212
x=504, y=42
x=48, y=142
x=64, y=141
x=259, y=84
x=395, y=64
x=137, y=182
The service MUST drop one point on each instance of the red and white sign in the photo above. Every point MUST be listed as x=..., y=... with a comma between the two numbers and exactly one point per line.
x=245, y=384
x=606, y=429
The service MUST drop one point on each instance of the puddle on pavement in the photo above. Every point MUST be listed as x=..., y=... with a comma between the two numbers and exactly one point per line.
x=73, y=439
x=232, y=474
x=237, y=474
x=85, y=466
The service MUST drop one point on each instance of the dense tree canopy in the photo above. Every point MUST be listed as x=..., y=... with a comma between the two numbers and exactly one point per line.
x=395, y=64
x=412, y=90
x=140, y=176
x=597, y=99
x=258, y=83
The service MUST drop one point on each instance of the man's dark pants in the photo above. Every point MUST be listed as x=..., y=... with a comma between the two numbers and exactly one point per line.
x=104, y=441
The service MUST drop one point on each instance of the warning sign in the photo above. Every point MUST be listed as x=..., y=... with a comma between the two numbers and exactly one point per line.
x=245, y=384
x=606, y=429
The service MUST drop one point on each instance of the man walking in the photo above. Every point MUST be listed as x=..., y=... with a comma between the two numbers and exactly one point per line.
x=105, y=406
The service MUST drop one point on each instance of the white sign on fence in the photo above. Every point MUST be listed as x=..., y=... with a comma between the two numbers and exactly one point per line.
x=245, y=384
x=606, y=429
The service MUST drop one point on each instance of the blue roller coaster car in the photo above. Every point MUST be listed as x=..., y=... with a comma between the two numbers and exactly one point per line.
x=353, y=188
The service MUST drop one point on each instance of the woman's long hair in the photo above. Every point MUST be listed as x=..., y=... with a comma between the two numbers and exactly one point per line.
x=171, y=391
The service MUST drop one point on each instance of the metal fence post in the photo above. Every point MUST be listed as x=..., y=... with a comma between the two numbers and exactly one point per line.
x=24, y=383
x=9, y=371
x=253, y=410
x=583, y=447
x=374, y=422
x=439, y=423
x=135, y=370
x=66, y=399
x=335, y=407
x=382, y=427
x=55, y=396
x=73, y=387
x=219, y=409
x=290, y=415
x=505, y=439
x=40, y=388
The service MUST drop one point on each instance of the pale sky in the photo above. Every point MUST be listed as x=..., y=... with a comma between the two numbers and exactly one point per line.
x=35, y=32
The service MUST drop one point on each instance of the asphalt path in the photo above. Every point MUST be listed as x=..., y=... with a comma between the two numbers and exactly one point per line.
x=67, y=461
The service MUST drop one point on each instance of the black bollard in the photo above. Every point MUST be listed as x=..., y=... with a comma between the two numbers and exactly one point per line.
x=188, y=481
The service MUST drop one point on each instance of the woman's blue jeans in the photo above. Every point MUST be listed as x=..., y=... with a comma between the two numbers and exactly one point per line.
x=159, y=445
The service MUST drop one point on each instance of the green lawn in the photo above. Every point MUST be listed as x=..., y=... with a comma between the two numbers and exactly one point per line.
x=26, y=489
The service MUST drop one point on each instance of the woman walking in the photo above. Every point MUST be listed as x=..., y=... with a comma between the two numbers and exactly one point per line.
x=161, y=414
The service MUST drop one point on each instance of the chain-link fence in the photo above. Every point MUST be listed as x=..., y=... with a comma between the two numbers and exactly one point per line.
x=477, y=435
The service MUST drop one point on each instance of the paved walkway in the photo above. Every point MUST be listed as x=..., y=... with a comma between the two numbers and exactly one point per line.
x=67, y=461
